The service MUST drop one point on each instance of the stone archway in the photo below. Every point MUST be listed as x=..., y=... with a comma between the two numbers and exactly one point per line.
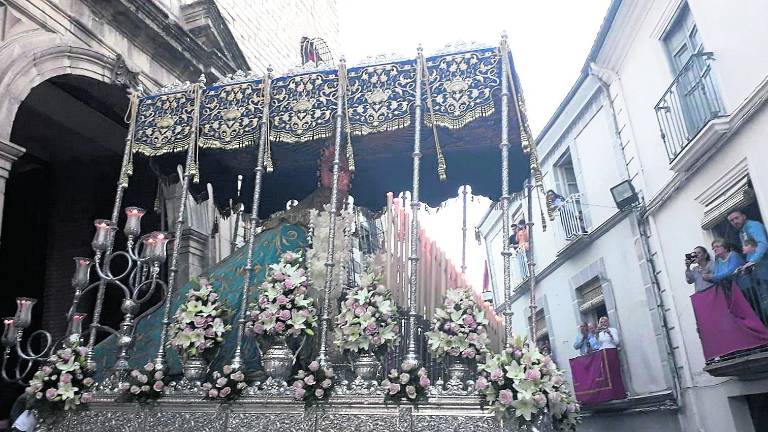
x=36, y=56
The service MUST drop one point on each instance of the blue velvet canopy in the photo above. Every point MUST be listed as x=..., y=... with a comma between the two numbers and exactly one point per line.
x=460, y=99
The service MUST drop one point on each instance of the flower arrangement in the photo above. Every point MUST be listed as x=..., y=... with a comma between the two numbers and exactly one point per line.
x=314, y=384
x=522, y=381
x=200, y=323
x=365, y=320
x=62, y=382
x=144, y=384
x=283, y=308
x=407, y=383
x=459, y=329
x=227, y=384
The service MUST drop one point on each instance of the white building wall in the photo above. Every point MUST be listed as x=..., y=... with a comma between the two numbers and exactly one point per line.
x=633, y=62
x=269, y=31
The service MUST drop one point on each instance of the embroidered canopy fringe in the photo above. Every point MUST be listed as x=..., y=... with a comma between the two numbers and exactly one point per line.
x=458, y=122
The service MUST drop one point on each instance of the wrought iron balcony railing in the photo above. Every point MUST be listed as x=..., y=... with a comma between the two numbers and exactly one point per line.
x=690, y=102
x=571, y=224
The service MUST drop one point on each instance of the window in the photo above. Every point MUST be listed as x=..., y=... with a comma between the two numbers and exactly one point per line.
x=592, y=301
x=758, y=410
x=565, y=176
x=683, y=39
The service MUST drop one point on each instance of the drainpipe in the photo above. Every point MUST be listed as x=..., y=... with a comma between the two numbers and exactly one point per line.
x=594, y=70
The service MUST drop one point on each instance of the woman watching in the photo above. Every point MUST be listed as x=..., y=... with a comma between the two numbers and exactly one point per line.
x=697, y=264
x=726, y=262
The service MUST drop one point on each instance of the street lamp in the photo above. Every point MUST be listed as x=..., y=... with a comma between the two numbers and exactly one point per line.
x=624, y=195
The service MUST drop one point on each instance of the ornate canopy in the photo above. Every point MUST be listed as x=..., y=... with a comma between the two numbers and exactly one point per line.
x=461, y=104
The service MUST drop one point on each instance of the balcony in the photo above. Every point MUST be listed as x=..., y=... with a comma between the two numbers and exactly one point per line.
x=733, y=338
x=690, y=102
x=569, y=222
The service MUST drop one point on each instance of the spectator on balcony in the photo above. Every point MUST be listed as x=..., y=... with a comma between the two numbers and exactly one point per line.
x=755, y=279
x=513, y=237
x=727, y=263
x=750, y=229
x=522, y=236
x=586, y=340
x=607, y=336
x=697, y=264
x=555, y=199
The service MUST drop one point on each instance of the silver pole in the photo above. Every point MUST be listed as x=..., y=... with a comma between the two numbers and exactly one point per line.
x=160, y=363
x=413, y=258
x=506, y=253
x=237, y=361
x=464, y=230
x=122, y=184
x=329, y=262
x=530, y=256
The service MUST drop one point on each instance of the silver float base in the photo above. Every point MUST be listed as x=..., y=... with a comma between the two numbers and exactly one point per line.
x=353, y=414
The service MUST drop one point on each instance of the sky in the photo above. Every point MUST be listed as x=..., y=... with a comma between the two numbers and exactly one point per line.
x=549, y=39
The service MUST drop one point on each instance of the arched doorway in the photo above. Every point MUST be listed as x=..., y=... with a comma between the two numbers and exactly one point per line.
x=73, y=130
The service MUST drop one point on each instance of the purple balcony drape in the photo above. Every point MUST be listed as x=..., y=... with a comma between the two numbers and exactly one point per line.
x=726, y=322
x=597, y=377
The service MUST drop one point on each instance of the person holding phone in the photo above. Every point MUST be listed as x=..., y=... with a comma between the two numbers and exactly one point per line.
x=697, y=264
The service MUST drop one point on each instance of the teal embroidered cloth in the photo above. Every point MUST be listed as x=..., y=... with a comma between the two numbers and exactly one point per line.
x=227, y=279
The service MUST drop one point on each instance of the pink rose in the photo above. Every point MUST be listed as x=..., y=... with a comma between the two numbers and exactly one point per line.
x=469, y=321
x=278, y=276
x=83, y=351
x=407, y=366
x=394, y=388
x=376, y=340
x=314, y=366
x=424, y=381
x=359, y=311
x=310, y=379
x=225, y=392
x=573, y=407
x=213, y=393
x=50, y=393
x=158, y=375
x=47, y=370
x=557, y=380
x=288, y=284
x=227, y=369
x=298, y=393
x=497, y=375
x=66, y=354
x=280, y=327
x=221, y=382
x=404, y=378
x=200, y=322
x=285, y=315
x=258, y=328
x=371, y=328
x=326, y=383
x=298, y=384
x=505, y=397
x=135, y=389
x=86, y=397
x=149, y=366
x=533, y=374
x=468, y=353
x=65, y=378
x=319, y=393
x=481, y=384
x=158, y=386
x=281, y=299
x=539, y=400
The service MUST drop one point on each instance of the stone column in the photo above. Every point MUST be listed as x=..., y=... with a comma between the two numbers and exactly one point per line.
x=9, y=152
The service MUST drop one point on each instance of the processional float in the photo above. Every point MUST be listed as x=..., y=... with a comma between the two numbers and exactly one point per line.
x=266, y=130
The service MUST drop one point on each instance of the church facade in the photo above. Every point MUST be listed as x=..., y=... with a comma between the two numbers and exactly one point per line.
x=66, y=70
